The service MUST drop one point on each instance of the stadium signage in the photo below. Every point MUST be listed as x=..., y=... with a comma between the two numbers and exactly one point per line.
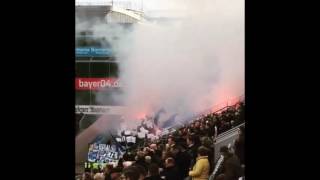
x=128, y=139
x=90, y=109
x=93, y=52
x=96, y=83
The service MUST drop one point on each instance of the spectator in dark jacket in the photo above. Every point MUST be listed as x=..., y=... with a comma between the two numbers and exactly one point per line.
x=130, y=173
x=155, y=154
x=181, y=158
x=171, y=171
x=153, y=172
x=140, y=170
x=239, y=146
x=87, y=176
x=221, y=177
x=140, y=160
x=171, y=142
x=192, y=149
x=208, y=143
x=107, y=172
x=231, y=165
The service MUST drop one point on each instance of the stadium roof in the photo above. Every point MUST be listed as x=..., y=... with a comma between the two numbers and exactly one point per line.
x=125, y=4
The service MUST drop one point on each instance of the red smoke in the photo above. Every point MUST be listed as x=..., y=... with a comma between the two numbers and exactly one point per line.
x=141, y=115
x=224, y=96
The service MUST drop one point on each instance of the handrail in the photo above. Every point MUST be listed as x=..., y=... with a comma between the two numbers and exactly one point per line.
x=229, y=131
x=217, y=167
x=225, y=104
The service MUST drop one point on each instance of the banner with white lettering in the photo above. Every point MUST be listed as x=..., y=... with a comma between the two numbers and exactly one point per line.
x=103, y=153
x=126, y=139
x=87, y=109
x=96, y=83
x=93, y=52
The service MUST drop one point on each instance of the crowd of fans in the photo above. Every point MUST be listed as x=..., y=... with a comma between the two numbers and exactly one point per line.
x=187, y=153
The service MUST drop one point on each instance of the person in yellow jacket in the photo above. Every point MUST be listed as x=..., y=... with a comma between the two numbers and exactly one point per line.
x=201, y=169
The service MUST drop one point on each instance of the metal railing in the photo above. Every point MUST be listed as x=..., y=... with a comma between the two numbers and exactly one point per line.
x=223, y=105
x=226, y=139
x=226, y=134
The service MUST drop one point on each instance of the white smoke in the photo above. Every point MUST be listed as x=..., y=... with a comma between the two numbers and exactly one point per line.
x=189, y=65
x=185, y=66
